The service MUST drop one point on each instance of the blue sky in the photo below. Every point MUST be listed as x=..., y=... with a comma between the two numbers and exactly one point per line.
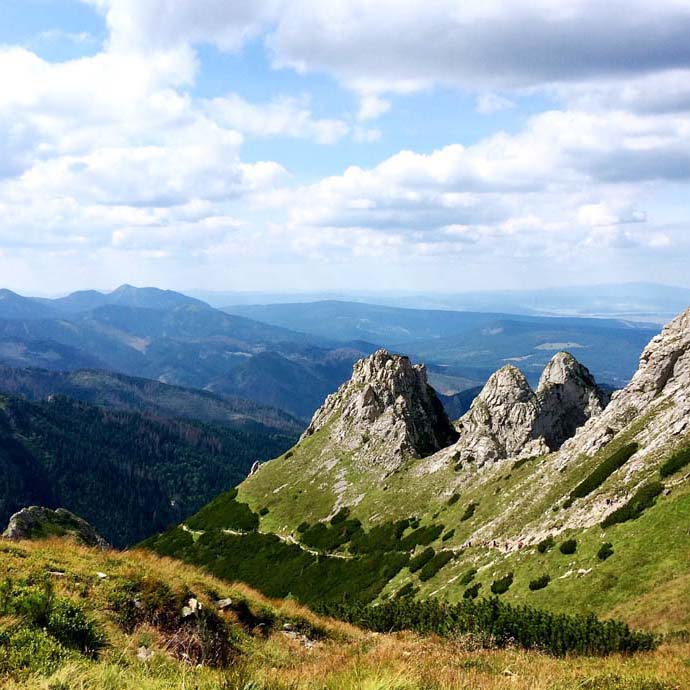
x=354, y=145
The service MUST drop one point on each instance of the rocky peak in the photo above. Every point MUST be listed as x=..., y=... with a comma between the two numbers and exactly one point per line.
x=508, y=419
x=659, y=388
x=38, y=523
x=499, y=422
x=563, y=368
x=387, y=411
x=567, y=397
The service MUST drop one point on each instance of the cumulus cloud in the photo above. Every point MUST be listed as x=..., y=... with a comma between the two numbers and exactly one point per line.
x=282, y=116
x=115, y=153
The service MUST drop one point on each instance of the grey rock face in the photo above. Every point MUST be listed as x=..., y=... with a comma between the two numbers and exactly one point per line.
x=36, y=523
x=387, y=411
x=508, y=419
x=567, y=397
x=660, y=390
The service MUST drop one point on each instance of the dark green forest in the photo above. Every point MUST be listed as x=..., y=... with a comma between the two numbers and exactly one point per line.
x=130, y=475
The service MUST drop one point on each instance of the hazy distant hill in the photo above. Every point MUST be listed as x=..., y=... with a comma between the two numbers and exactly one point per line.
x=182, y=342
x=125, y=295
x=14, y=306
x=470, y=344
x=118, y=391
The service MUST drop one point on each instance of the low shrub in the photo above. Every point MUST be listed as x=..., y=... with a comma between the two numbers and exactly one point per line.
x=473, y=591
x=523, y=461
x=421, y=559
x=539, y=583
x=676, y=462
x=435, y=564
x=568, y=547
x=605, y=551
x=453, y=500
x=340, y=516
x=545, y=544
x=469, y=512
x=499, y=624
x=407, y=590
x=38, y=607
x=468, y=576
x=604, y=470
x=644, y=498
x=448, y=535
x=502, y=585
x=30, y=649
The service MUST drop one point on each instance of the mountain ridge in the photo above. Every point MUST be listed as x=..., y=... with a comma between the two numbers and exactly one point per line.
x=584, y=523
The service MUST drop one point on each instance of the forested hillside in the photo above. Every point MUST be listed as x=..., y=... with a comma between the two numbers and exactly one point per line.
x=118, y=391
x=128, y=474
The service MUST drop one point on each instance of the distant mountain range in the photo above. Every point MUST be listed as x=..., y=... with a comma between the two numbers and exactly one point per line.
x=636, y=301
x=175, y=339
x=469, y=344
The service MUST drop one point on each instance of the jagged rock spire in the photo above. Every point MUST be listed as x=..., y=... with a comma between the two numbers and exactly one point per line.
x=660, y=388
x=387, y=411
x=508, y=419
x=567, y=397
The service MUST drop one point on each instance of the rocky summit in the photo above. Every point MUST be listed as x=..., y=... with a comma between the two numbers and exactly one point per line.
x=508, y=419
x=385, y=413
x=36, y=522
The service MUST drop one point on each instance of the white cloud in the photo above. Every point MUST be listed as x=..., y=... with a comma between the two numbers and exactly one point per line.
x=372, y=106
x=488, y=103
x=282, y=116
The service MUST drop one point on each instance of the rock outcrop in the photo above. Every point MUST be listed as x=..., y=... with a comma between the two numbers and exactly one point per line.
x=508, y=419
x=567, y=396
x=385, y=413
x=658, y=394
x=38, y=523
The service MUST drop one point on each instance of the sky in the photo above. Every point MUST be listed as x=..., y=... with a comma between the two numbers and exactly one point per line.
x=437, y=146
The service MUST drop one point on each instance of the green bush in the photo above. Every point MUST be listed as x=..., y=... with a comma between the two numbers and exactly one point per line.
x=605, y=469
x=468, y=576
x=30, y=649
x=502, y=585
x=605, y=551
x=407, y=590
x=225, y=512
x=473, y=591
x=498, y=623
x=545, y=544
x=523, y=461
x=677, y=461
x=448, y=535
x=469, y=512
x=340, y=516
x=435, y=564
x=644, y=498
x=569, y=546
x=539, y=583
x=38, y=607
x=421, y=559
x=453, y=500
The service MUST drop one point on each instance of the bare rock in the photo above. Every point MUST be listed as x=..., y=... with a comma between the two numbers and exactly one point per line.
x=509, y=420
x=38, y=523
x=386, y=412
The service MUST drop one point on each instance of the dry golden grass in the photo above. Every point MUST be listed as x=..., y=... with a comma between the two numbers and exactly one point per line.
x=349, y=659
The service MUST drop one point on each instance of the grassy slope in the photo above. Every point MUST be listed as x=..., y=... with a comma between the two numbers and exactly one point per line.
x=339, y=658
x=641, y=583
